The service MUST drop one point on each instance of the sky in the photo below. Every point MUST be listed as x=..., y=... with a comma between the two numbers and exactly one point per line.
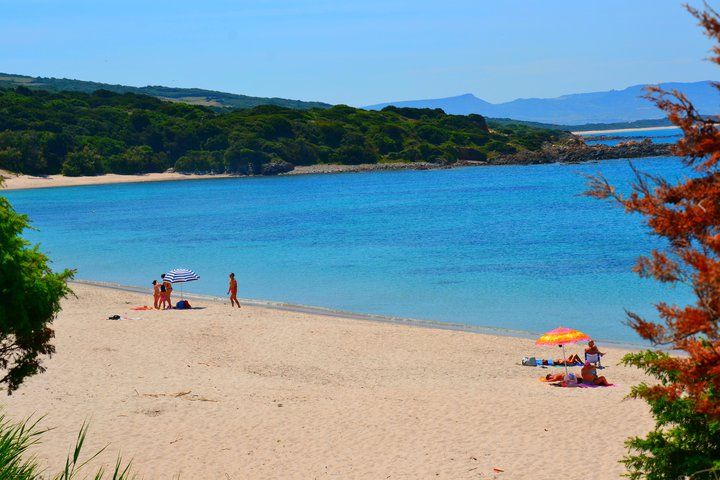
x=359, y=52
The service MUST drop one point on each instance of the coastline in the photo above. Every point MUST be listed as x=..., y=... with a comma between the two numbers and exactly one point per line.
x=623, y=130
x=349, y=315
x=12, y=181
x=217, y=392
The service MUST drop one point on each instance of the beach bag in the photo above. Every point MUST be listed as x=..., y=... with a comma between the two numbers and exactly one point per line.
x=529, y=361
x=182, y=305
x=570, y=380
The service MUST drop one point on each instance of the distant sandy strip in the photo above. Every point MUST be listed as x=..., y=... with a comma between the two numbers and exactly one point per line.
x=221, y=393
x=12, y=181
x=624, y=130
x=22, y=182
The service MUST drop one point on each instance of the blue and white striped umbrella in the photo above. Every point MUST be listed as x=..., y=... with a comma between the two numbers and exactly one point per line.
x=180, y=275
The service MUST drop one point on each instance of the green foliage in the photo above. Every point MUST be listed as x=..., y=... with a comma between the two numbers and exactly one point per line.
x=684, y=443
x=200, y=161
x=48, y=133
x=17, y=463
x=197, y=96
x=15, y=441
x=84, y=162
x=30, y=294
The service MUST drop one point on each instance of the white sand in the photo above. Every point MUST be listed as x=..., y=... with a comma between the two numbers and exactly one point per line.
x=12, y=181
x=217, y=393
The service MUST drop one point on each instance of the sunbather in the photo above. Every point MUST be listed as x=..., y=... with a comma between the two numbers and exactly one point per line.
x=558, y=377
x=589, y=375
x=571, y=360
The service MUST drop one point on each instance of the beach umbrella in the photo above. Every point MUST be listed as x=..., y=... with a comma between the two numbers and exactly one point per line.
x=562, y=336
x=181, y=275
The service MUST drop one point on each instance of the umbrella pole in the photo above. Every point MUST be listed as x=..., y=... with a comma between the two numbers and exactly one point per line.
x=564, y=359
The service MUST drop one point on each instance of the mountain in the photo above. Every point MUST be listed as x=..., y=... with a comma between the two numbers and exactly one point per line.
x=598, y=107
x=195, y=96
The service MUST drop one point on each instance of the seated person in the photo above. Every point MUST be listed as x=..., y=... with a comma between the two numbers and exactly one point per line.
x=573, y=359
x=592, y=349
x=589, y=375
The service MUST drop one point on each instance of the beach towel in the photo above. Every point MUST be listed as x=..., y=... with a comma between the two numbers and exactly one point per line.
x=143, y=307
x=578, y=385
x=541, y=362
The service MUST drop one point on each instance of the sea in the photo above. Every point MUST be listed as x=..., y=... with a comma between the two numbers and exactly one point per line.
x=508, y=248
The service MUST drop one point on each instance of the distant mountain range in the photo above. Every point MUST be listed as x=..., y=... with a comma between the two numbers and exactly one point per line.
x=598, y=107
x=195, y=96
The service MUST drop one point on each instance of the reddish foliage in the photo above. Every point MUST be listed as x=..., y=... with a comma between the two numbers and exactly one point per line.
x=687, y=214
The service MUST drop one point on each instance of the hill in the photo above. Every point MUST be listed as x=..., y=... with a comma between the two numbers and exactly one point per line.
x=193, y=96
x=78, y=133
x=612, y=106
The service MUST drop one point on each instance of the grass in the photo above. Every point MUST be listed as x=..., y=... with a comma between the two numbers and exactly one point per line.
x=18, y=463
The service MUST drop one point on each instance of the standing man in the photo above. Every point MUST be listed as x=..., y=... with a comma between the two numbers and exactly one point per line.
x=167, y=303
x=232, y=290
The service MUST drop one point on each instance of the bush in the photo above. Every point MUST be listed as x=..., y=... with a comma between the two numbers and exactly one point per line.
x=85, y=162
x=30, y=295
x=245, y=161
x=683, y=442
x=138, y=160
x=200, y=162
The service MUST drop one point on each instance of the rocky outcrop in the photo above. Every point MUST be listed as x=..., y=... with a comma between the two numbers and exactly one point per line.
x=575, y=150
x=276, y=167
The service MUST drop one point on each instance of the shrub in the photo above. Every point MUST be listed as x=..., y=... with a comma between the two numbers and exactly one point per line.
x=30, y=294
x=84, y=162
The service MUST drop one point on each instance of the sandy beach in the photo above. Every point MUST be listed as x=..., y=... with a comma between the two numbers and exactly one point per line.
x=12, y=181
x=217, y=393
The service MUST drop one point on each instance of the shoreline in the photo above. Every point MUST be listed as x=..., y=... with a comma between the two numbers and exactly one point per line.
x=624, y=130
x=13, y=181
x=221, y=392
x=350, y=315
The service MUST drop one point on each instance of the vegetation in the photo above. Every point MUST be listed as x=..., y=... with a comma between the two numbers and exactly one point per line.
x=30, y=295
x=194, y=96
x=660, y=122
x=87, y=134
x=18, y=464
x=686, y=400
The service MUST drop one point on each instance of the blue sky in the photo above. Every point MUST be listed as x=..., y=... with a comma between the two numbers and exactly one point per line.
x=358, y=52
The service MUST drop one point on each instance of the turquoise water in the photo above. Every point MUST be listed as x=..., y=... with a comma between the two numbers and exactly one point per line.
x=514, y=247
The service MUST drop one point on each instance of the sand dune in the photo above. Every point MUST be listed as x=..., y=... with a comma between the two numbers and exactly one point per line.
x=216, y=393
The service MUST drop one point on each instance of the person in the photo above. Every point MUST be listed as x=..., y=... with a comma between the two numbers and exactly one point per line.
x=573, y=359
x=592, y=349
x=167, y=289
x=589, y=375
x=157, y=295
x=560, y=377
x=232, y=290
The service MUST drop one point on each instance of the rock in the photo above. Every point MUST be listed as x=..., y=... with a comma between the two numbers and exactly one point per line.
x=575, y=150
x=276, y=167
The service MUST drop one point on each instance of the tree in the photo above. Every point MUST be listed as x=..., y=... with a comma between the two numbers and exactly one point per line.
x=84, y=162
x=686, y=400
x=30, y=294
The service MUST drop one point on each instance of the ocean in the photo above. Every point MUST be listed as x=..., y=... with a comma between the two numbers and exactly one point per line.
x=511, y=247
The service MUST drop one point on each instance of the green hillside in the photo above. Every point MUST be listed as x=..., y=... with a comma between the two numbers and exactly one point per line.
x=86, y=134
x=194, y=96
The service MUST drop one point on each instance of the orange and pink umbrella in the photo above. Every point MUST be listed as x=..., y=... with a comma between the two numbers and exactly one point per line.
x=562, y=336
